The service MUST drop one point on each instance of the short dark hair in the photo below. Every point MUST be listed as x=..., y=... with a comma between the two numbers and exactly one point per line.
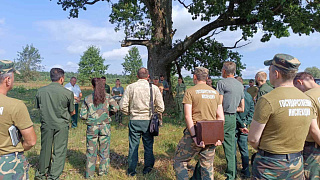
x=302, y=76
x=161, y=75
x=56, y=74
x=73, y=78
x=117, y=79
x=143, y=73
x=103, y=77
x=251, y=81
x=286, y=75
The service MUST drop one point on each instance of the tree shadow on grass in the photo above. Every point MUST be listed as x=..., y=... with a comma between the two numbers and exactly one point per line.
x=77, y=159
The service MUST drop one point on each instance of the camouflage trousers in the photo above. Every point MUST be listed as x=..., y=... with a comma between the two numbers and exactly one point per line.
x=98, y=139
x=311, y=156
x=271, y=168
x=185, y=151
x=14, y=167
x=179, y=107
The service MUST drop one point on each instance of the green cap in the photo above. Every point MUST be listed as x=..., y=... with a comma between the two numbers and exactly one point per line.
x=6, y=66
x=155, y=77
x=284, y=62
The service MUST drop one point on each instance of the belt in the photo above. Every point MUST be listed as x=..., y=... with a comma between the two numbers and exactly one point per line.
x=12, y=154
x=279, y=156
x=229, y=113
x=313, y=144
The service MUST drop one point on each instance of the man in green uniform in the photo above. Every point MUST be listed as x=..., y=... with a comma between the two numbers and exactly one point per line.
x=107, y=87
x=180, y=90
x=201, y=103
x=311, y=151
x=56, y=105
x=231, y=93
x=264, y=88
x=280, y=124
x=252, y=90
x=135, y=101
x=243, y=121
x=13, y=164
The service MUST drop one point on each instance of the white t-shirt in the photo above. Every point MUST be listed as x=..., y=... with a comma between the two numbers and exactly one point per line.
x=75, y=89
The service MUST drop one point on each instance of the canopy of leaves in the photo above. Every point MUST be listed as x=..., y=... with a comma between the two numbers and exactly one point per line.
x=314, y=71
x=132, y=63
x=210, y=54
x=29, y=63
x=91, y=65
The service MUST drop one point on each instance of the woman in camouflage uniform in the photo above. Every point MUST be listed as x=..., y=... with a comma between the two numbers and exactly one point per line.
x=95, y=109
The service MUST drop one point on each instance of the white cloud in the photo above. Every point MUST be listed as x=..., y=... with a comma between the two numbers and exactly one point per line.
x=250, y=72
x=80, y=34
x=116, y=54
x=68, y=67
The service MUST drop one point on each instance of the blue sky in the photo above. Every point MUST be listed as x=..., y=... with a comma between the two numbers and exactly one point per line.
x=61, y=41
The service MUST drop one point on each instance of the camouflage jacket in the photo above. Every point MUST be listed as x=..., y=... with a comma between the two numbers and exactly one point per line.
x=99, y=114
x=136, y=98
x=180, y=89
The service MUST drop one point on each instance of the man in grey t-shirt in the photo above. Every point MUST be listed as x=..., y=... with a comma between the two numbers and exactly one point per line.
x=232, y=95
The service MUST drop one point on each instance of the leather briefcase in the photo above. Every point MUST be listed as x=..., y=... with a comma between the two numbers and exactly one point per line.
x=209, y=131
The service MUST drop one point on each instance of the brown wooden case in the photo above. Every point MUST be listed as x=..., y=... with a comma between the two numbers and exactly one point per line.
x=209, y=131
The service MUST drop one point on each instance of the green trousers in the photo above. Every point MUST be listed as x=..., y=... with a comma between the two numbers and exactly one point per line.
x=179, y=107
x=138, y=128
x=242, y=141
x=53, y=152
x=74, y=118
x=229, y=144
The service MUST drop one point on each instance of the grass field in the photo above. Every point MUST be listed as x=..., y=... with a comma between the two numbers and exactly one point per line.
x=164, y=146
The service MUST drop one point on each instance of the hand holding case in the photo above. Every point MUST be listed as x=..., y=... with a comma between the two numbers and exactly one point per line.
x=209, y=131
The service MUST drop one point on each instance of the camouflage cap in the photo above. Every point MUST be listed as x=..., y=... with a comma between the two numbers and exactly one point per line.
x=155, y=77
x=6, y=66
x=284, y=62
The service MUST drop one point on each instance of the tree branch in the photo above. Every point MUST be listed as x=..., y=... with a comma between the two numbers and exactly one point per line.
x=92, y=2
x=184, y=5
x=128, y=42
x=235, y=45
x=181, y=47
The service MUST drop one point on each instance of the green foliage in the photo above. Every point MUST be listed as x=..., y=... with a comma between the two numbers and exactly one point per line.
x=210, y=54
x=29, y=63
x=314, y=71
x=132, y=63
x=91, y=65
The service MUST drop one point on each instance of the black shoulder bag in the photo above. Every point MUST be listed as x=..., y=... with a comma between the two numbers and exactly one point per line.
x=154, y=122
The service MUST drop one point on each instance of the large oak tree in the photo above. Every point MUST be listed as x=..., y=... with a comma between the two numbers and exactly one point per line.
x=149, y=23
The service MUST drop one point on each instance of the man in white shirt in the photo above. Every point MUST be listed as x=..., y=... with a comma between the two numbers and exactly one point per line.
x=72, y=86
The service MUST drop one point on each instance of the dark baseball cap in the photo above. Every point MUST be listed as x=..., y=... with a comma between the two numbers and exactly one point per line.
x=6, y=66
x=284, y=62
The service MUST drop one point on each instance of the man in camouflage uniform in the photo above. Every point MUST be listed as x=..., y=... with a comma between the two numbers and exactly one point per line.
x=136, y=102
x=98, y=133
x=311, y=151
x=180, y=90
x=280, y=124
x=264, y=88
x=252, y=90
x=201, y=102
x=13, y=164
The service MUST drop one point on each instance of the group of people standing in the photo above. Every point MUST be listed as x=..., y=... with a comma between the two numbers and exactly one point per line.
x=284, y=122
